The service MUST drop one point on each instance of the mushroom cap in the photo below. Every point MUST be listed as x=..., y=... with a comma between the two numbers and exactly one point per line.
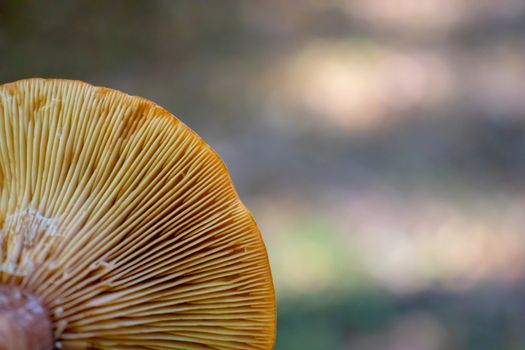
x=125, y=224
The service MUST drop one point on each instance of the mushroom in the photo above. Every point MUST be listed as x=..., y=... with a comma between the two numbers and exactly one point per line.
x=121, y=229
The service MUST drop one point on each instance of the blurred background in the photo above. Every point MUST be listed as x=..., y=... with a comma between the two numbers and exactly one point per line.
x=379, y=144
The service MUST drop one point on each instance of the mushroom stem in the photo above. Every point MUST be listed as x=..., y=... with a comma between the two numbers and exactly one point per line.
x=24, y=321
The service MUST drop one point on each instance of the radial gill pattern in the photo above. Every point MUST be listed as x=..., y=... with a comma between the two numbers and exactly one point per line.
x=125, y=224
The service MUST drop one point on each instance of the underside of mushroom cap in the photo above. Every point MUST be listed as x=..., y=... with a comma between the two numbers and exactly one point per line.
x=125, y=224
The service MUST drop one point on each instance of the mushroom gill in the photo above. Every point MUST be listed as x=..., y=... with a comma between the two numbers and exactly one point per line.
x=124, y=225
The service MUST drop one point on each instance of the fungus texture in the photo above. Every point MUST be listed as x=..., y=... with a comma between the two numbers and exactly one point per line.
x=121, y=228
